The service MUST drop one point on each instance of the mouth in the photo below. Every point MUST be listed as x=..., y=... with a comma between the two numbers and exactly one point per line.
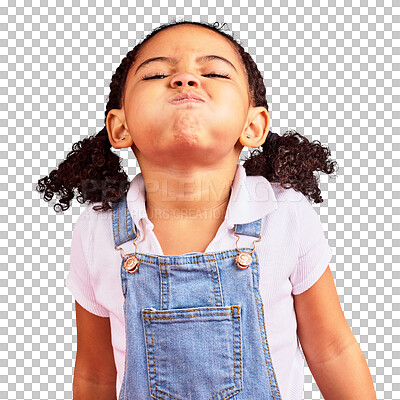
x=183, y=101
x=188, y=97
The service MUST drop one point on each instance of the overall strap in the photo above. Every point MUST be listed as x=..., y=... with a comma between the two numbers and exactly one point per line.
x=123, y=227
x=250, y=229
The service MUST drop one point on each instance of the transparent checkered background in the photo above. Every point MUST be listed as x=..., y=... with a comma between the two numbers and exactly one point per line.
x=330, y=74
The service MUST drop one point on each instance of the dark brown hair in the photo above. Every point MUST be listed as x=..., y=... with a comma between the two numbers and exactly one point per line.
x=96, y=173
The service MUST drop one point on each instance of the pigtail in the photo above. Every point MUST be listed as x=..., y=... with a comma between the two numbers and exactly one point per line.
x=291, y=160
x=92, y=170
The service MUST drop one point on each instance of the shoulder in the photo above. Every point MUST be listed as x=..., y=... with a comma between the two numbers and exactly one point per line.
x=290, y=200
x=270, y=198
x=91, y=227
x=293, y=208
x=286, y=194
x=89, y=217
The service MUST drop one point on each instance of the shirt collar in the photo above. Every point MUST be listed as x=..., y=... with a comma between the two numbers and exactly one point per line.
x=252, y=197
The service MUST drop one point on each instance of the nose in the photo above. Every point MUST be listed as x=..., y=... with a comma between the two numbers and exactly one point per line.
x=184, y=78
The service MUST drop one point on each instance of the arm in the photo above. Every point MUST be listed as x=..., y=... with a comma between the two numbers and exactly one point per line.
x=329, y=346
x=85, y=389
x=95, y=373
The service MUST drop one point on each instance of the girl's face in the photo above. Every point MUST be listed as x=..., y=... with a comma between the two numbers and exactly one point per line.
x=186, y=134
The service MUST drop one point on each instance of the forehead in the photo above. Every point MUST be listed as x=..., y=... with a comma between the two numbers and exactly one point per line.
x=182, y=40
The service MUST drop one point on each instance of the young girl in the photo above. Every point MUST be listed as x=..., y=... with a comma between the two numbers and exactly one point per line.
x=195, y=279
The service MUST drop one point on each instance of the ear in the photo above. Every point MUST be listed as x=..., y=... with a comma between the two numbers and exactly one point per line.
x=257, y=129
x=118, y=133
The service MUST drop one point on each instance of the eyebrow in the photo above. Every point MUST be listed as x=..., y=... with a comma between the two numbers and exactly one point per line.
x=201, y=59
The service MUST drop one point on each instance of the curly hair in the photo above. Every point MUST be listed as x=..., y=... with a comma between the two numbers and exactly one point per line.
x=96, y=173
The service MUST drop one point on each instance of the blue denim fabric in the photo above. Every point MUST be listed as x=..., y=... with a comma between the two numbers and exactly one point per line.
x=194, y=323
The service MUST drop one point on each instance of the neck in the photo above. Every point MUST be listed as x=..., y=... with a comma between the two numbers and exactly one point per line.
x=185, y=196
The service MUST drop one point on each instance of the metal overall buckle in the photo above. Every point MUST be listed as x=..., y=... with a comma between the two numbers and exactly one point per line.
x=244, y=259
x=131, y=264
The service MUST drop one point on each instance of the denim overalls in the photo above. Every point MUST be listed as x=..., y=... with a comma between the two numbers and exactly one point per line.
x=194, y=323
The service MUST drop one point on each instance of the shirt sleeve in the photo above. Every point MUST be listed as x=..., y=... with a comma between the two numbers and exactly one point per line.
x=78, y=278
x=314, y=251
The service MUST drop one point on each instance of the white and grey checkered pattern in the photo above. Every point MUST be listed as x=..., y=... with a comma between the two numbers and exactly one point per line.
x=329, y=73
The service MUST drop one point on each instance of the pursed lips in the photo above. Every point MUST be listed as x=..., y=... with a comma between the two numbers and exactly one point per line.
x=186, y=98
x=182, y=101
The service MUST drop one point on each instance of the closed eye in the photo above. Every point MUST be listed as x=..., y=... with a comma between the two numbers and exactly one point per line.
x=220, y=75
x=153, y=76
x=162, y=75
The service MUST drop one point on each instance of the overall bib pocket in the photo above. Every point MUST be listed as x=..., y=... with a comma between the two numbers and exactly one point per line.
x=194, y=353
